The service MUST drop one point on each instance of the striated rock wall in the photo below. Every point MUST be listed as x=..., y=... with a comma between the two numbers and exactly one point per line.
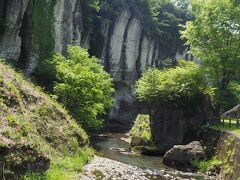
x=127, y=50
x=31, y=30
x=12, y=14
x=68, y=24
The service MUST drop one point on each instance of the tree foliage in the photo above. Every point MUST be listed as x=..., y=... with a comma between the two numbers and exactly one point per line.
x=159, y=17
x=89, y=8
x=214, y=37
x=83, y=86
x=151, y=9
x=180, y=85
x=162, y=17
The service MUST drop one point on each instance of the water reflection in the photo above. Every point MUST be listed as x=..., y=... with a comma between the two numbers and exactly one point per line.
x=113, y=147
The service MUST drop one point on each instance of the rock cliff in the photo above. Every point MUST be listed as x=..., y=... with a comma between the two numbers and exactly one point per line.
x=172, y=124
x=31, y=30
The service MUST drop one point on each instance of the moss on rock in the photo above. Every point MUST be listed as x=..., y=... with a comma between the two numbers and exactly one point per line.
x=40, y=16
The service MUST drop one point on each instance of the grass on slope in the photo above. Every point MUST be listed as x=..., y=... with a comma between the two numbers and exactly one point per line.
x=63, y=168
x=36, y=130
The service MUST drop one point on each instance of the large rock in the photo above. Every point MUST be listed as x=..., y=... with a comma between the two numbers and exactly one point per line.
x=182, y=156
x=124, y=111
x=172, y=125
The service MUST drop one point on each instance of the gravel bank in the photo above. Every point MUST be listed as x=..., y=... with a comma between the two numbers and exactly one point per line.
x=104, y=169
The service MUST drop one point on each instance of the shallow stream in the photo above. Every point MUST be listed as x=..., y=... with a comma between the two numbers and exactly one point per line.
x=116, y=147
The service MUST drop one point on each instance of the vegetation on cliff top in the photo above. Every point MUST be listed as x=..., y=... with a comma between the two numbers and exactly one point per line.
x=36, y=132
x=181, y=85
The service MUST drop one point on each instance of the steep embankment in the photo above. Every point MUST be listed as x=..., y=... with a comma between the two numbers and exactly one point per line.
x=33, y=128
x=32, y=30
x=228, y=151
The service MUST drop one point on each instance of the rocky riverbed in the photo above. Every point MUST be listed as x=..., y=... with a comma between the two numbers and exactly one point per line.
x=103, y=169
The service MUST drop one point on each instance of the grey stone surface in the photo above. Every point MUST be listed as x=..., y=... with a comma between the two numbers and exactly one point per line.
x=10, y=41
x=184, y=155
x=102, y=168
x=175, y=125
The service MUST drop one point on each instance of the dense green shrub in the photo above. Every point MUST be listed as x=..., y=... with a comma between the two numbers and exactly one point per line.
x=141, y=128
x=181, y=85
x=83, y=86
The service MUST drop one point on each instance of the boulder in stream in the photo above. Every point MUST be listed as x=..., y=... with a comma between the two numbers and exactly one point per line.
x=182, y=156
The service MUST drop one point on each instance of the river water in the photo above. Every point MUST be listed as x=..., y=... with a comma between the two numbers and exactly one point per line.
x=115, y=147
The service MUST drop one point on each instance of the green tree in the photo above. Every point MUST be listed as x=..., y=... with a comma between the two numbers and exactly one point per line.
x=182, y=85
x=83, y=86
x=214, y=37
x=89, y=8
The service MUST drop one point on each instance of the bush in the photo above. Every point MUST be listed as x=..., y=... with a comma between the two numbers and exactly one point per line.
x=83, y=86
x=181, y=85
x=141, y=128
x=206, y=165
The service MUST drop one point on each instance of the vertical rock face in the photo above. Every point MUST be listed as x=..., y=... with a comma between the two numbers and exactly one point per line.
x=145, y=51
x=34, y=29
x=117, y=43
x=225, y=146
x=132, y=49
x=174, y=125
x=10, y=42
x=68, y=25
x=127, y=51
